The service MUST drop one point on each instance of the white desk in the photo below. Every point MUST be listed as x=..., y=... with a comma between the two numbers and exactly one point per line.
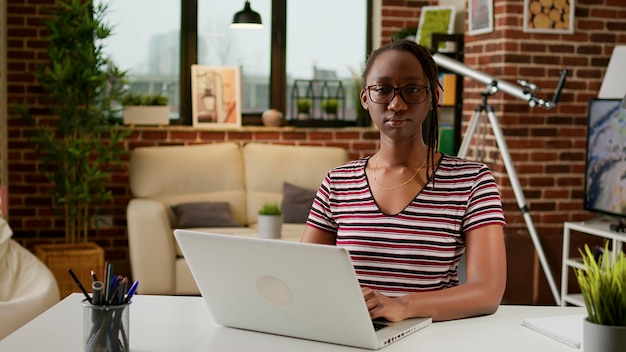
x=167, y=323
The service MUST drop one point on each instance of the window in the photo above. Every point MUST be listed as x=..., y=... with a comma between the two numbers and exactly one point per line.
x=220, y=45
x=324, y=36
x=148, y=49
x=325, y=40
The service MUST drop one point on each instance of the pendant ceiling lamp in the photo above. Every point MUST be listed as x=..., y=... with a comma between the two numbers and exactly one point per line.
x=247, y=18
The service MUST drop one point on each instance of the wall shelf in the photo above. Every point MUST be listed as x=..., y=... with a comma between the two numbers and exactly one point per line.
x=451, y=100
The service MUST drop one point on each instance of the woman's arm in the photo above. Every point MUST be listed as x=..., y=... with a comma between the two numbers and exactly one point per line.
x=481, y=294
x=315, y=235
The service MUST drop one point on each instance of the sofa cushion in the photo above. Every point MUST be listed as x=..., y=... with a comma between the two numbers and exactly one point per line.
x=235, y=199
x=190, y=173
x=204, y=214
x=296, y=203
x=190, y=169
x=268, y=166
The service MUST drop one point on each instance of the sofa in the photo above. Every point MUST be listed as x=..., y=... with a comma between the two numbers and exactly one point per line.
x=215, y=188
x=27, y=286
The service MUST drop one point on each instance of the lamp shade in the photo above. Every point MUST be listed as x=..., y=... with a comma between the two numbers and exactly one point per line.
x=247, y=18
x=614, y=82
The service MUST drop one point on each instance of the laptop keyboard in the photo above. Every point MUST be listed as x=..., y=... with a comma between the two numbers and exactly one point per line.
x=378, y=326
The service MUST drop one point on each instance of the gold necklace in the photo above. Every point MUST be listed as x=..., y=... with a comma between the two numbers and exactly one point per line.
x=400, y=185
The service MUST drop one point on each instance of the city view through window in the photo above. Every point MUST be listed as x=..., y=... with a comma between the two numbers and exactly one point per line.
x=325, y=39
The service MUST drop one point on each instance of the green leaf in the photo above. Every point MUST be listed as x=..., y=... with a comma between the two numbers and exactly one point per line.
x=603, y=285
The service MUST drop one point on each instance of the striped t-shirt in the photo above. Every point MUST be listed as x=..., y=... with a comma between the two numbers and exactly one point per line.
x=419, y=248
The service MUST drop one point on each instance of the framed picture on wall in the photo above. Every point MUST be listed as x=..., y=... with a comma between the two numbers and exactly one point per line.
x=435, y=19
x=480, y=16
x=549, y=17
x=216, y=96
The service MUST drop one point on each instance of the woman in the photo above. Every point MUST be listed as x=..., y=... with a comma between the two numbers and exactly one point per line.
x=408, y=213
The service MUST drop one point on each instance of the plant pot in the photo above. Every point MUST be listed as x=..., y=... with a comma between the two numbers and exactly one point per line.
x=303, y=116
x=603, y=338
x=331, y=116
x=146, y=115
x=80, y=257
x=269, y=226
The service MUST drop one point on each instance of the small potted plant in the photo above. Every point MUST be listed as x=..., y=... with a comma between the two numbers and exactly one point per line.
x=602, y=283
x=145, y=109
x=269, y=220
x=304, y=108
x=330, y=107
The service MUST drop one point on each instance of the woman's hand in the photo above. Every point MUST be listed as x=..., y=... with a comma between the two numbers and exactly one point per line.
x=381, y=306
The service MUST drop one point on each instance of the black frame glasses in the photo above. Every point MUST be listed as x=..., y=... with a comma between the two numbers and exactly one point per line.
x=410, y=94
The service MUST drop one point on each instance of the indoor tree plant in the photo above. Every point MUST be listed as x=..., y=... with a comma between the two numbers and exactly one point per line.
x=269, y=220
x=362, y=116
x=78, y=144
x=602, y=282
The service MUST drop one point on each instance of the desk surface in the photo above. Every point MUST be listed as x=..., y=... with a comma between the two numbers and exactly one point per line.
x=170, y=323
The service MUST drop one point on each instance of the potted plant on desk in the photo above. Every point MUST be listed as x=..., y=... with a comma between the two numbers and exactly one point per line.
x=602, y=283
x=269, y=221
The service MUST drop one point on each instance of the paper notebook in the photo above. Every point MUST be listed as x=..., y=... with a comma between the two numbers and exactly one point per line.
x=567, y=329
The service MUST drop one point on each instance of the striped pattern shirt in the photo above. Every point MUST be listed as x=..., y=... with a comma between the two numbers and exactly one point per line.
x=419, y=248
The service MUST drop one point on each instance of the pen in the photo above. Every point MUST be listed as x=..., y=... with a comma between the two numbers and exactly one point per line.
x=105, y=276
x=112, y=285
x=80, y=286
x=93, y=276
x=131, y=291
x=109, y=278
x=112, y=298
x=96, y=286
x=122, y=286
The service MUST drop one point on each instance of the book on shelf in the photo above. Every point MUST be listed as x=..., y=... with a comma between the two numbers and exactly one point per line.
x=448, y=83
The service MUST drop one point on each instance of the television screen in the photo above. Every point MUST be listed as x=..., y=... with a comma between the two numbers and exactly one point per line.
x=605, y=173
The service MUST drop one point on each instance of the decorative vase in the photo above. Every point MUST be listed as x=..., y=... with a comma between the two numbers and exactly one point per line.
x=269, y=226
x=272, y=118
x=603, y=338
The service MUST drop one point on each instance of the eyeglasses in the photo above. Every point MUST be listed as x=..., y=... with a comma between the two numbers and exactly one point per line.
x=384, y=94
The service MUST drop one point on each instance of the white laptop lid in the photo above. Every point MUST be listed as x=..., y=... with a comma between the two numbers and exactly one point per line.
x=287, y=288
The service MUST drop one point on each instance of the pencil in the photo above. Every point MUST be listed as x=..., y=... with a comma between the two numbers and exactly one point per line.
x=80, y=286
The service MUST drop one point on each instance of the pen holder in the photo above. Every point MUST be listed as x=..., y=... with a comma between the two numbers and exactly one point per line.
x=106, y=328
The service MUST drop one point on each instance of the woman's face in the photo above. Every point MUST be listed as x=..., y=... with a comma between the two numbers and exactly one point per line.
x=394, y=68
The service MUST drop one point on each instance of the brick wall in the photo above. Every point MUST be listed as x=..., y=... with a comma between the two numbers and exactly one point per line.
x=547, y=147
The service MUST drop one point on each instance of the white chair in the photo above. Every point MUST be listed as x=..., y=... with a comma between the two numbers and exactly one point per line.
x=27, y=287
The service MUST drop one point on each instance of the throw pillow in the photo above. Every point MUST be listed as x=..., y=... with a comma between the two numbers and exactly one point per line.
x=296, y=203
x=204, y=214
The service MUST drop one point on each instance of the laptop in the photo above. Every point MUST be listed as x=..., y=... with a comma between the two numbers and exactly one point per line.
x=294, y=289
